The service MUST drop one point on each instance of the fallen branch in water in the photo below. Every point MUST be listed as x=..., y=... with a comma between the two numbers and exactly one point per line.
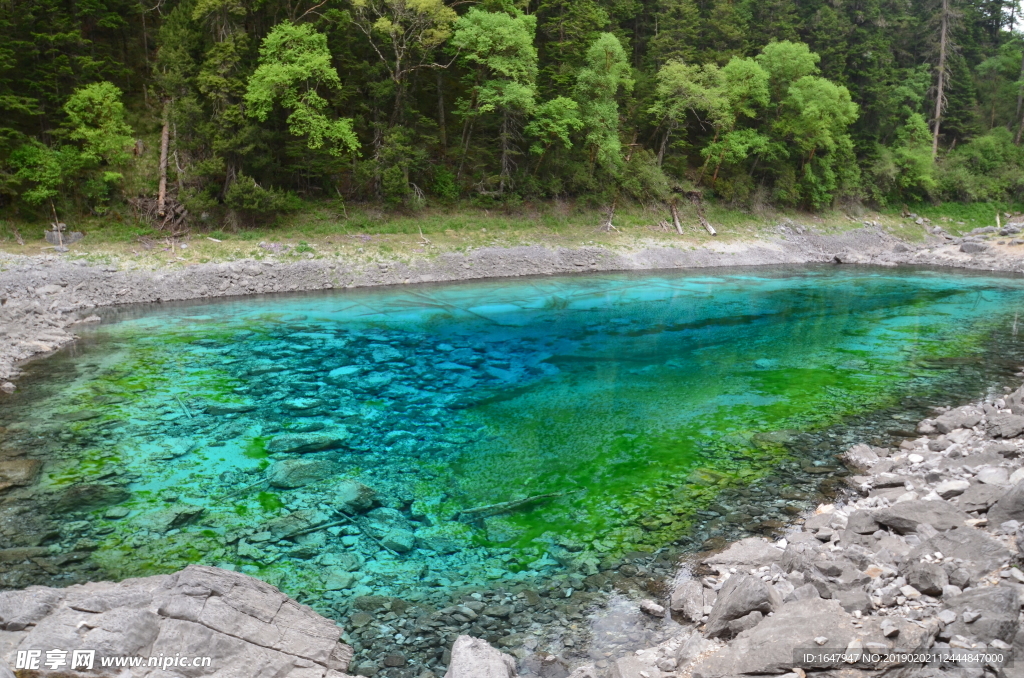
x=480, y=512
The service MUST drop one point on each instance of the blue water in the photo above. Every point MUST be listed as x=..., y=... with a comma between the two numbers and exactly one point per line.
x=638, y=411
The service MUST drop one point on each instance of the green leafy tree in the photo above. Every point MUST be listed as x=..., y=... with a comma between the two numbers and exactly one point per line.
x=498, y=47
x=404, y=35
x=294, y=64
x=685, y=89
x=96, y=121
x=554, y=122
x=815, y=116
x=598, y=85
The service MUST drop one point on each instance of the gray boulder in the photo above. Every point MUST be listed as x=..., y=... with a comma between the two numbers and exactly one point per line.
x=980, y=497
x=980, y=554
x=746, y=553
x=688, y=600
x=1006, y=425
x=961, y=417
x=906, y=516
x=1015, y=401
x=246, y=626
x=927, y=578
x=1009, y=507
x=91, y=496
x=475, y=658
x=292, y=473
x=999, y=607
x=861, y=457
x=862, y=522
x=972, y=247
x=741, y=595
x=768, y=648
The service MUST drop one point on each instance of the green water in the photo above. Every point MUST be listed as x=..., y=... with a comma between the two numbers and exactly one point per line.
x=640, y=410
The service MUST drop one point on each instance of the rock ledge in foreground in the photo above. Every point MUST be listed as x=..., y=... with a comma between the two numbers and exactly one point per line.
x=247, y=627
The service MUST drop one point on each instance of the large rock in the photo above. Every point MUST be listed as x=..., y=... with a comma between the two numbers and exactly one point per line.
x=961, y=417
x=18, y=472
x=1009, y=507
x=861, y=457
x=906, y=516
x=980, y=554
x=1006, y=425
x=768, y=648
x=475, y=658
x=292, y=473
x=746, y=553
x=927, y=578
x=300, y=443
x=688, y=600
x=999, y=607
x=741, y=595
x=352, y=496
x=980, y=497
x=91, y=496
x=247, y=627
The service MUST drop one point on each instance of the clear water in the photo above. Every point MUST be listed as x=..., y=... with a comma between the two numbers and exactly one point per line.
x=639, y=411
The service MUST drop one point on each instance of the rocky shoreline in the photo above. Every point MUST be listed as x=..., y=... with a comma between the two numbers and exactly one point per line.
x=922, y=558
x=43, y=299
x=922, y=555
x=862, y=573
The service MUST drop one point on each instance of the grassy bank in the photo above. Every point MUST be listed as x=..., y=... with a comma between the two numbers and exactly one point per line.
x=371, y=232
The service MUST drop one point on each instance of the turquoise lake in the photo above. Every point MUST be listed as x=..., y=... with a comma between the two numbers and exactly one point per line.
x=409, y=440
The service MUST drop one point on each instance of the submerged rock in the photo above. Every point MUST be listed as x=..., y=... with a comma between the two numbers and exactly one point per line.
x=17, y=472
x=352, y=496
x=292, y=473
x=229, y=408
x=91, y=496
x=300, y=443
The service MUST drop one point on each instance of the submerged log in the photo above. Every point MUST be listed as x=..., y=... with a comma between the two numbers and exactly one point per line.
x=480, y=512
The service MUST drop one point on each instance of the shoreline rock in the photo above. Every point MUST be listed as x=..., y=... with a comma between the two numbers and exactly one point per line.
x=914, y=565
x=245, y=626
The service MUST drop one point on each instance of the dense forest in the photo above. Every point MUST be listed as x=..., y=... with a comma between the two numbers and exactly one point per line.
x=232, y=111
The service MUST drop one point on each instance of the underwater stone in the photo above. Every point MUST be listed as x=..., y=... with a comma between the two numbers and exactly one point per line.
x=399, y=540
x=292, y=473
x=376, y=381
x=302, y=443
x=169, y=519
x=18, y=472
x=354, y=497
x=286, y=525
x=91, y=496
x=229, y=408
x=302, y=403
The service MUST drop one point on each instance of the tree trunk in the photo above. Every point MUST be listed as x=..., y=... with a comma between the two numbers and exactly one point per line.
x=939, y=94
x=664, y=143
x=442, y=127
x=505, y=169
x=1020, y=106
x=165, y=139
